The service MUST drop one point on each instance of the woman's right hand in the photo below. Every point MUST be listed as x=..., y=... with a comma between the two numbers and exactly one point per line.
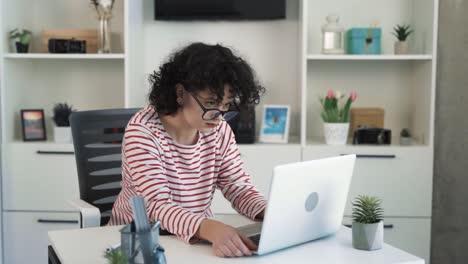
x=226, y=241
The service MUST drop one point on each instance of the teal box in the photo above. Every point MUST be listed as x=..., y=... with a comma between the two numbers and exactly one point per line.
x=364, y=41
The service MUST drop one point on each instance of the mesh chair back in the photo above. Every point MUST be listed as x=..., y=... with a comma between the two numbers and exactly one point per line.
x=97, y=139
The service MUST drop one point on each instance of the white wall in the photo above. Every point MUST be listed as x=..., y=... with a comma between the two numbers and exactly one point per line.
x=271, y=47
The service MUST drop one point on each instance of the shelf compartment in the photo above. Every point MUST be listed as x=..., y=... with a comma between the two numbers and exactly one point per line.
x=403, y=90
x=420, y=14
x=414, y=57
x=86, y=56
x=320, y=142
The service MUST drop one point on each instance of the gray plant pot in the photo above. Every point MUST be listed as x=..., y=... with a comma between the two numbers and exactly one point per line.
x=401, y=48
x=406, y=141
x=368, y=236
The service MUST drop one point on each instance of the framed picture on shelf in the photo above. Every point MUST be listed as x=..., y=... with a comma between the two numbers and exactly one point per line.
x=33, y=124
x=275, y=124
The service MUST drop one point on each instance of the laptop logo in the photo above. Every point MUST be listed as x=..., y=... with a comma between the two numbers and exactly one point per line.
x=312, y=201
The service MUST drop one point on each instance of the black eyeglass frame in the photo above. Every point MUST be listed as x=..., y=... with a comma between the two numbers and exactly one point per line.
x=219, y=112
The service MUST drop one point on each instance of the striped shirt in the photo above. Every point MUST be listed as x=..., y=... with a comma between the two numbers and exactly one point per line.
x=178, y=181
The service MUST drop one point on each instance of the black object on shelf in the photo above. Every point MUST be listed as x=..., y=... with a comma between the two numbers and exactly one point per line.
x=243, y=125
x=66, y=46
x=374, y=136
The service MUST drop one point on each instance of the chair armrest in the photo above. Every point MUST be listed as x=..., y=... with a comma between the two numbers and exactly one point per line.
x=90, y=214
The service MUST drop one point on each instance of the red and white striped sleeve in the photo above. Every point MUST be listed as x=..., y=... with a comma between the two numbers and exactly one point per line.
x=234, y=182
x=149, y=180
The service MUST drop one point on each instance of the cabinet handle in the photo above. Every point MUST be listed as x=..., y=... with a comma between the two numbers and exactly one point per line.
x=369, y=156
x=55, y=152
x=389, y=226
x=50, y=221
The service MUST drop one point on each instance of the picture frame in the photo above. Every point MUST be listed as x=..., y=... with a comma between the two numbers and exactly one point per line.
x=33, y=125
x=275, y=124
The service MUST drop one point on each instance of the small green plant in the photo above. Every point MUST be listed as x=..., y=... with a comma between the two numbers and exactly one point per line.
x=367, y=210
x=332, y=112
x=115, y=256
x=62, y=112
x=21, y=35
x=405, y=132
x=401, y=32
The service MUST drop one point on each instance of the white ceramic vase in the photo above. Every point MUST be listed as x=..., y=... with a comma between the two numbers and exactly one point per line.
x=336, y=133
x=62, y=134
x=401, y=47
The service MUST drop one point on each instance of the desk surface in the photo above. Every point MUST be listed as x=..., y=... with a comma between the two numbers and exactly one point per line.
x=88, y=245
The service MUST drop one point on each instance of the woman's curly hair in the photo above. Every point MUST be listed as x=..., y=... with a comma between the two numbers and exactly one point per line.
x=198, y=67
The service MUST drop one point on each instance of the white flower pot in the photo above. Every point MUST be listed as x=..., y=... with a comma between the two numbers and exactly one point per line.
x=368, y=236
x=336, y=133
x=62, y=134
x=401, y=47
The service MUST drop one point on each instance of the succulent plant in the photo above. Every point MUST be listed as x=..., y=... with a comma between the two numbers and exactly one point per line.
x=115, y=256
x=367, y=210
x=22, y=35
x=62, y=112
x=401, y=32
x=405, y=132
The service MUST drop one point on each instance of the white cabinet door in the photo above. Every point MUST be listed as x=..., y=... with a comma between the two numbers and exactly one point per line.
x=400, y=176
x=409, y=234
x=259, y=161
x=26, y=237
x=38, y=176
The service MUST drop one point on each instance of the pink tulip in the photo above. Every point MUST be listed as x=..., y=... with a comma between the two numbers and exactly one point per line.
x=353, y=96
x=330, y=94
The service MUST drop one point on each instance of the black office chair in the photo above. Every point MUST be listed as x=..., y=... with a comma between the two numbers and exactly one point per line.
x=97, y=139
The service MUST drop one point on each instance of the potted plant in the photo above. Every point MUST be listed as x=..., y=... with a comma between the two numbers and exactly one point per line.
x=336, y=117
x=367, y=227
x=20, y=39
x=405, y=137
x=115, y=256
x=62, y=130
x=401, y=32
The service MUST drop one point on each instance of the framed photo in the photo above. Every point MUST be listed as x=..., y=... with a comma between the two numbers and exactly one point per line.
x=33, y=124
x=275, y=124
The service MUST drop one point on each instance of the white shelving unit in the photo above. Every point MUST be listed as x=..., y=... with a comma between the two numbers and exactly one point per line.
x=37, y=186
x=404, y=85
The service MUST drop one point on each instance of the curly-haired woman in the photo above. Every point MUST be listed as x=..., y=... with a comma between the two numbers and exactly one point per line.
x=179, y=149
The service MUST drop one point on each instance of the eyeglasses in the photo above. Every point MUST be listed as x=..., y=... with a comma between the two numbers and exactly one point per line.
x=213, y=113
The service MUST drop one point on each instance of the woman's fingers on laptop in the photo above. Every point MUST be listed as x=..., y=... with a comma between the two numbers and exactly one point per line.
x=235, y=248
x=226, y=251
x=249, y=243
x=241, y=247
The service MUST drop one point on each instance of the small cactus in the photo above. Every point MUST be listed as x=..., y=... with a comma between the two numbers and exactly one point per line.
x=367, y=210
x=401, y=32
x=405, y=132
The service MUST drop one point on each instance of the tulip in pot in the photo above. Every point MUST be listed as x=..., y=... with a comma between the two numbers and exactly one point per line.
x=335, y=116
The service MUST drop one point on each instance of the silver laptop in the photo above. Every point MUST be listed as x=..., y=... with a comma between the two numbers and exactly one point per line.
x=306, y=202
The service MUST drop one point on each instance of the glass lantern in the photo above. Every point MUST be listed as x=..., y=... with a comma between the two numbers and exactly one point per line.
x=332, y=36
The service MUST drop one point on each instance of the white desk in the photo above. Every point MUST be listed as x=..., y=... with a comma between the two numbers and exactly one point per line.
x=87, y=246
